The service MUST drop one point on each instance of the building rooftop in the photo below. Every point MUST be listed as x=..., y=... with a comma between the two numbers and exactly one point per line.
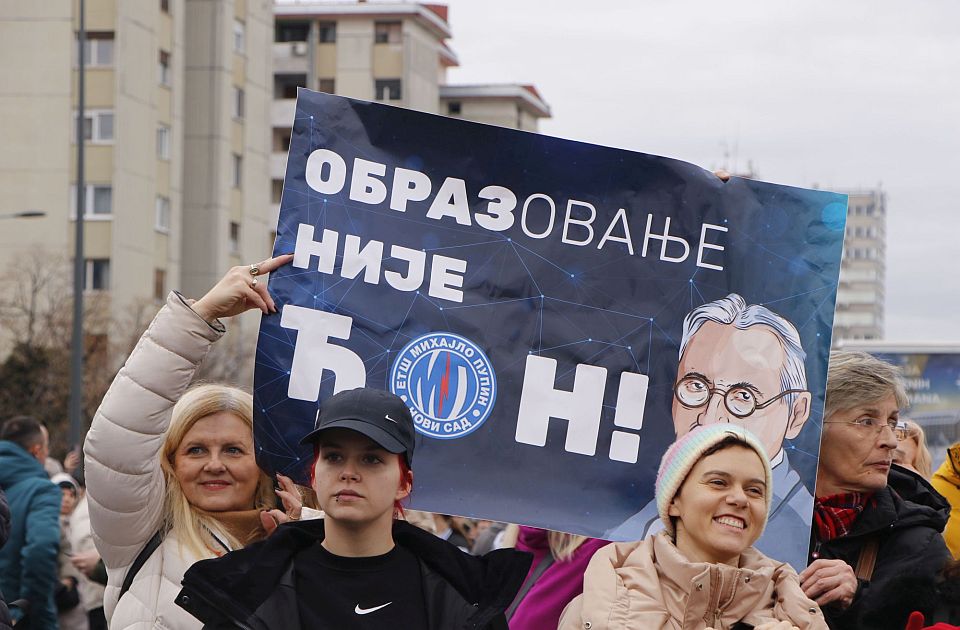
x=432, y=16
x=526, y=94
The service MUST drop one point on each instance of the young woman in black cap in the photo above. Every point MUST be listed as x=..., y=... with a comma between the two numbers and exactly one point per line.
x=359, y=567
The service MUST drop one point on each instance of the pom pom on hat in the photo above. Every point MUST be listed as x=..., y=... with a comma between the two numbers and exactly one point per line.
x=684, y=454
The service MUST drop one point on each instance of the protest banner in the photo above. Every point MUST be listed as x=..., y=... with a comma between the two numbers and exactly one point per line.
x=526, y=296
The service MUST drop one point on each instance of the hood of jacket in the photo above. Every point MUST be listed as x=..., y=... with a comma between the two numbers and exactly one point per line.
x=907, y=501
x=18, y=465
x=239, y=582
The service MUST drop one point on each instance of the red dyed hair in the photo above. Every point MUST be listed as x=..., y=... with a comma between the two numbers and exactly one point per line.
x=406, y=475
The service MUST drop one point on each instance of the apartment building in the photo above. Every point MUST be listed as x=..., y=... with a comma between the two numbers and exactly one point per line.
x=189, y=106
x=397, y=53
x=176, y=140
x=860, y=297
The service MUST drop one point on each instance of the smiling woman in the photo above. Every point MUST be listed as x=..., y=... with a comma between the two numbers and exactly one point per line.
x=171, y=473
x=360, y=567
x=713, y=495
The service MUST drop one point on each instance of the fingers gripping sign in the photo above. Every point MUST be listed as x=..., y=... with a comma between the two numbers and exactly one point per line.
x=240, y=290
x=289, y=494
x=828, y=581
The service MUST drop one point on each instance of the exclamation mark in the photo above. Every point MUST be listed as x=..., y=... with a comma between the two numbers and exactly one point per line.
x=631, y=400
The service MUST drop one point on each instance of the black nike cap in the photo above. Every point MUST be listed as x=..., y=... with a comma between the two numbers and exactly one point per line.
x=380, y=415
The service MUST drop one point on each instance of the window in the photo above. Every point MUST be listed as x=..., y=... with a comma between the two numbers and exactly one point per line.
x=238, y=96
x=327, y=85
x=387, y=89
x=454, y=108
x=327, y=32
x=239, y=36
x=234, y=237
x=159, y=284
x=276, y=190
x=386, y=32
x=97, y=274
x=165, y=6
x=97, y=202
x=163, y=68
x=237, y=170
x=285, y=85
x=98, y=126
x=98, y=49
x=291, y=31
x=162, y=219
x=163, y=142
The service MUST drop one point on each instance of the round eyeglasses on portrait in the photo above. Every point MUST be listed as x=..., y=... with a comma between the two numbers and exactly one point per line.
x=694, y=391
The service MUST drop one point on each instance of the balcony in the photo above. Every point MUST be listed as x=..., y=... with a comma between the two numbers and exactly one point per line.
x=278, y=165
x=282, y=112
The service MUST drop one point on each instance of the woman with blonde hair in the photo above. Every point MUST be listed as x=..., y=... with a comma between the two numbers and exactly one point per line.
x=911, y=451
x=171, y=473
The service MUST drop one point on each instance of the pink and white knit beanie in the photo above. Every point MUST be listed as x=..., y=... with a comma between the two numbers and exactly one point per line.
x=684, y=454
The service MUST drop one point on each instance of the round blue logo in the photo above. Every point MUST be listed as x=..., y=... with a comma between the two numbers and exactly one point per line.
x=447, y=382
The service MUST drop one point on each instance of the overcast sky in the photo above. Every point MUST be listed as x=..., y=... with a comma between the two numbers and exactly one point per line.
x=837, y=94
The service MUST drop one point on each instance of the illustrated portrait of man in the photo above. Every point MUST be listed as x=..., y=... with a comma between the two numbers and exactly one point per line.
x=744, y=364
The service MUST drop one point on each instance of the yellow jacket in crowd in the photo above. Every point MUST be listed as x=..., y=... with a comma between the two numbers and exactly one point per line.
x=947, y=482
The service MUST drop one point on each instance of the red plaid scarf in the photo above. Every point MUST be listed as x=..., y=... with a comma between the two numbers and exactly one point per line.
x=835, y=515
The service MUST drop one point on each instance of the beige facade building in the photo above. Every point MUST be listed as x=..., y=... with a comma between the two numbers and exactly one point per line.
x=177, y=140
x=189, y=107
x=396, y=53
x=860, y=297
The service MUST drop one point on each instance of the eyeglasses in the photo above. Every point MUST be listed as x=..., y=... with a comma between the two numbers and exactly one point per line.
x=875, y=426
x=694, y=391
x=903, y=431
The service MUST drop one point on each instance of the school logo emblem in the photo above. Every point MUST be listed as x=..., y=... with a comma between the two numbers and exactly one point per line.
x=447, y=382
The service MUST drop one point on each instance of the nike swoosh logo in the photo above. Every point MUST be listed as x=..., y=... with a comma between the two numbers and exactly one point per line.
x=391, y=419
x=367, y=611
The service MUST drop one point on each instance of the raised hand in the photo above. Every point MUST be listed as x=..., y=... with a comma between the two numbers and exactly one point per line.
x=240, y=290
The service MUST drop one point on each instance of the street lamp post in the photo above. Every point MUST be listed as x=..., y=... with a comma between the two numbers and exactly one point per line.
x=76, y=345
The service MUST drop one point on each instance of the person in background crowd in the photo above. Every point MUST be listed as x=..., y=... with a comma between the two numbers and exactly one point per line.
x=876, y=534
x=85, y=556
x=452, y=530
x=28, y=562
x=423, y=520
x=72, y=614
x=947, y=482
x=555, y=578
x=360, y=567
x=911, y=451
x=6, y=622
x=488, y=538
x=713, y=492
x=172, y=464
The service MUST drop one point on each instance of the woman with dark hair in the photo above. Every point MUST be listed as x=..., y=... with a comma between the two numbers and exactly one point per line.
x=713, y=493
x=360, y=567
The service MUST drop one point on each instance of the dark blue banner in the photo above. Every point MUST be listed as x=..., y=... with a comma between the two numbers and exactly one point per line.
x=526, y=296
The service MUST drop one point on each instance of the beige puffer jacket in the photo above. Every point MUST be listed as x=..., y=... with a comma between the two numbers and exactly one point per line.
x=651, y=585
x=125, y=485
